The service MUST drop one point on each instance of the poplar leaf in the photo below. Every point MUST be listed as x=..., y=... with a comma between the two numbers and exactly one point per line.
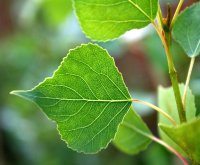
x=86, y=97
x=108, y=19
x=186, y=30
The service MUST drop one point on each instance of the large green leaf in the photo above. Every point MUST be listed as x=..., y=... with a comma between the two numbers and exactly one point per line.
x=166, y=101
x=186, y=30
x=108, y=19
x=187, y=136
x=128, y=139
x=86, y=97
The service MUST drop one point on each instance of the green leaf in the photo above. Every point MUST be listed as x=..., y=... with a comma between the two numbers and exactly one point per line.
x=166, y=102
x=86, y=97
x=55, y=12
x=186, y=30
x=187, y=136
x=128, y=139
x=108, y=19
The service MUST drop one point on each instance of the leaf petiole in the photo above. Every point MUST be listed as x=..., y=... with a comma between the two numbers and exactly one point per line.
x=188, y=80
x=177, y=11
x=159, y=17
x=157, y=109
x=157, y=140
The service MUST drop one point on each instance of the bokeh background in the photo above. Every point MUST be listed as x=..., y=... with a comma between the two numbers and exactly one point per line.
x=34, y=37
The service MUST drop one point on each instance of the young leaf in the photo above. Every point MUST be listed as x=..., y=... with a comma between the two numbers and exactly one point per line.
x=108, y=19
x=186, y=30
x=187, y=136
x=86, y=97
x=129, y=140
x=166, y=101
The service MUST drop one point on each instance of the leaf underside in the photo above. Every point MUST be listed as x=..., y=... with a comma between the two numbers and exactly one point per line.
x=127, y=138
x=186, y=30
x=166, y=101
x=86, y=97
x=108, y=19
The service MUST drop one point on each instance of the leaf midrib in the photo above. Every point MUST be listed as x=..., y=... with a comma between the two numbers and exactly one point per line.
x=88, y=100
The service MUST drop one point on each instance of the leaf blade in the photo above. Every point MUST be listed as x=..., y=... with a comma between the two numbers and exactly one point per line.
x=86, y=97
x=55, y=13
x=186, y=30
x=128, y=140
x=117, y=18
x=166, y=101
x=188, y=141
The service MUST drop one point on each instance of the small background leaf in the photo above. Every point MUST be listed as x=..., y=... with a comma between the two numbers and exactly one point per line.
x=166, y=101
x=86, y=97
x=187, y=136
x=186, y=30
x=128, y=140
x=108, y=19
x=55, y=12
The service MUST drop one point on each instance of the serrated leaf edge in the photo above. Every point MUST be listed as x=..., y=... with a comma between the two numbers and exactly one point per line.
x=16, y=92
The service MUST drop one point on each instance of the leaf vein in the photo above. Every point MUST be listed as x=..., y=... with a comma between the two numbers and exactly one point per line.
x=100, y=74
x=88, y=125
x=71, y=115
x=106, y=125
x=139, y=9
x=65, y=86
x=78, y=76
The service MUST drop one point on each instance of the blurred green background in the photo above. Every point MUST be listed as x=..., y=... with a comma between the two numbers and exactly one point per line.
x=34, y=37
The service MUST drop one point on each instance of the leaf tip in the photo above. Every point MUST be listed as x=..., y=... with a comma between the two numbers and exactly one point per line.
x=15, y=92
x=20, y=93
